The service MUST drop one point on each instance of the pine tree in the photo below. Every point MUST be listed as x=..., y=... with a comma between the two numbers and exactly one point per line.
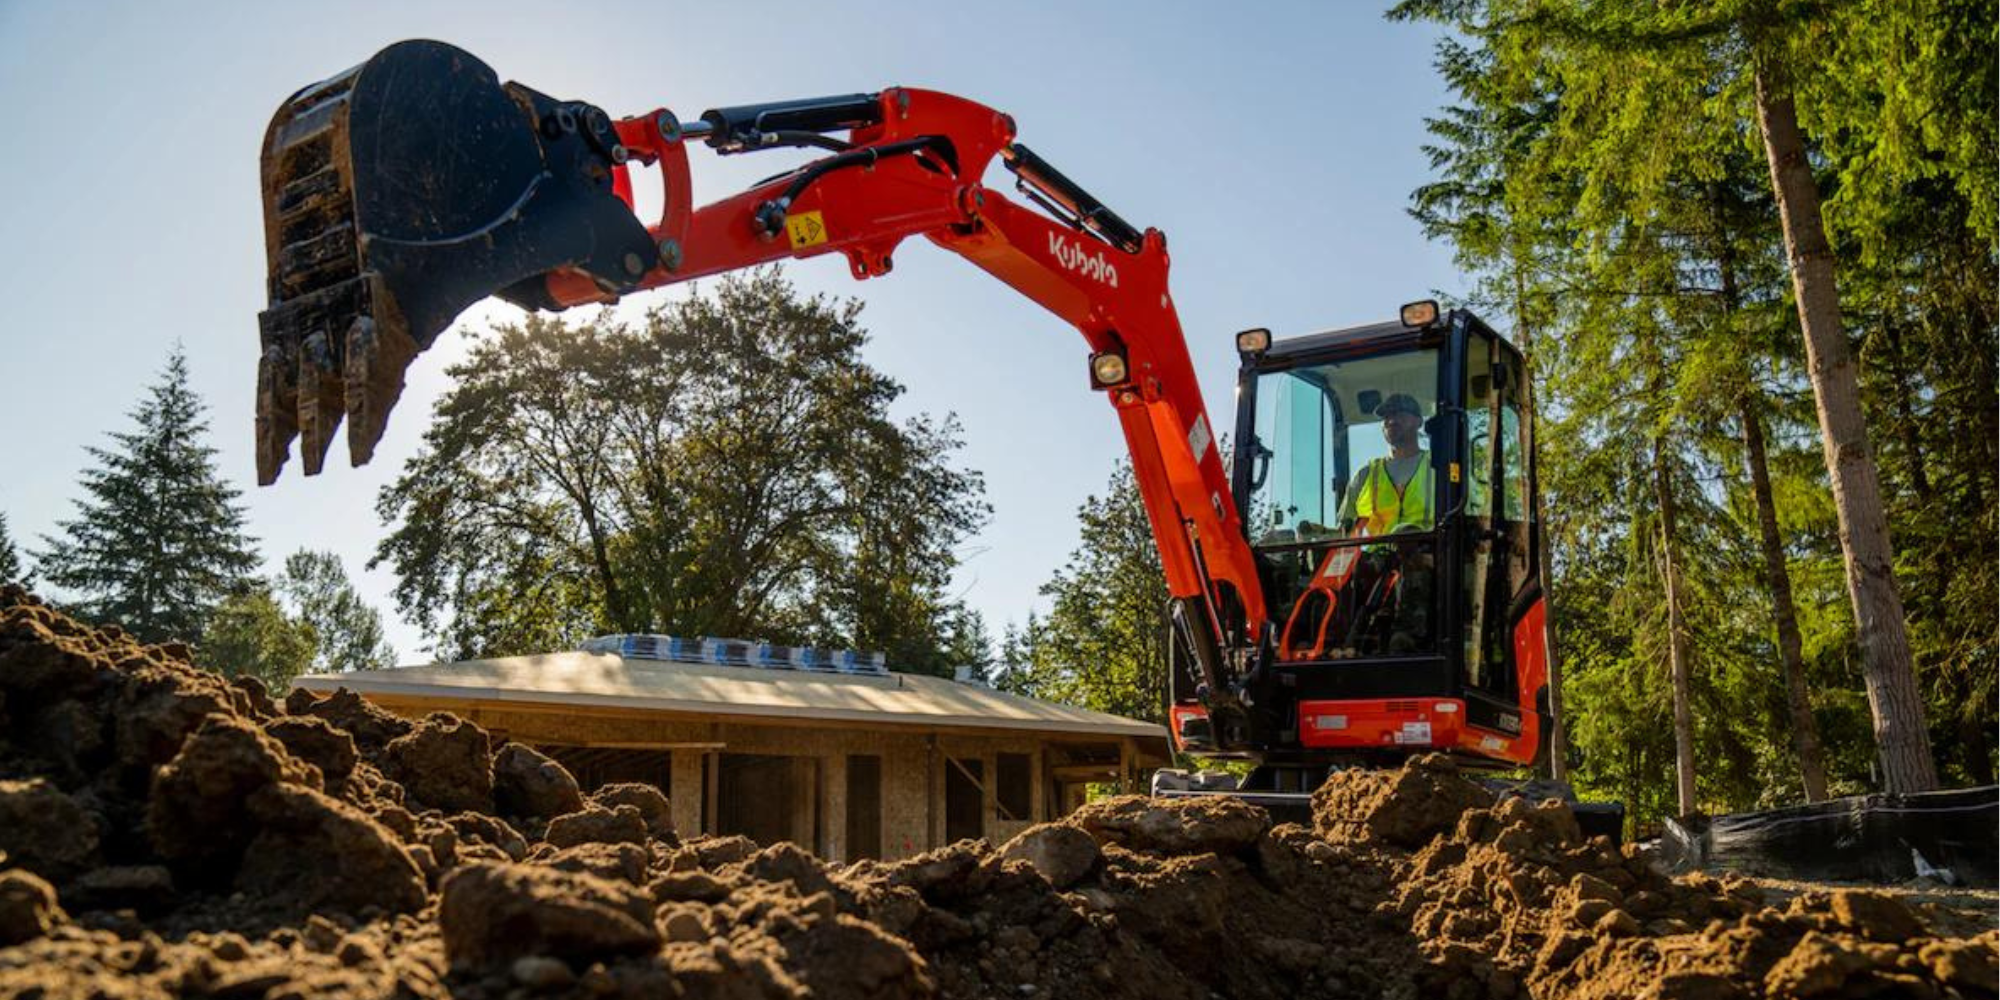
x=158, y=541
x=10, y=559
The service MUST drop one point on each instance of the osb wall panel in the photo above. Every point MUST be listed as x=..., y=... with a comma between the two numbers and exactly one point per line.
x=913, y=764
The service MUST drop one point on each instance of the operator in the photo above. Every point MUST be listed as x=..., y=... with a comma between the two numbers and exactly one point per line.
x=1391, y=495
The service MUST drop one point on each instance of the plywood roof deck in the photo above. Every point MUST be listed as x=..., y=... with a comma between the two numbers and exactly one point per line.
x=607, y=681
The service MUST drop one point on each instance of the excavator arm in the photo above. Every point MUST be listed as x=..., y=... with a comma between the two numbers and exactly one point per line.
x=416, y=184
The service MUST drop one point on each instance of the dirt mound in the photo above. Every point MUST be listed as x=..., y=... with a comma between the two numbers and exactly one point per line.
x=169, y=833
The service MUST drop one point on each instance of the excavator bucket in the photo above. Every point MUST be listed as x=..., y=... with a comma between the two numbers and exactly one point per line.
x=396, y=195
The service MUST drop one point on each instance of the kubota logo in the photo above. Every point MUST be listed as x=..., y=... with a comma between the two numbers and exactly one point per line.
x=1075, y=258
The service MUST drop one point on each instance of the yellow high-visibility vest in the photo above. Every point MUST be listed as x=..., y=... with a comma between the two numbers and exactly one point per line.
x=1382, y=509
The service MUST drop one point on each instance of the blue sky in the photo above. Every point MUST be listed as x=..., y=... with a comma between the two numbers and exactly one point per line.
x=1275, y=144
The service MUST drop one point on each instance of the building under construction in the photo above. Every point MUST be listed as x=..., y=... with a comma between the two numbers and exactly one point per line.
x=775, y=743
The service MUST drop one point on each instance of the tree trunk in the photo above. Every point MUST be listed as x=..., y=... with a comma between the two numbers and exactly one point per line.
x=1893, y=698
x=1678, y=653
x=1805, y=733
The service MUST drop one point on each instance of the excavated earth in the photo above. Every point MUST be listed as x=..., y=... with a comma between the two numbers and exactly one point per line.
x=168, y=832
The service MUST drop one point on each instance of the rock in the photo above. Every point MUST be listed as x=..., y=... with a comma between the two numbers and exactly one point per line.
x=317, y=853
x=1695, y=986
x=45, y=663
x=44, y=830
x=1405, y=808
x=1817, y=965
x=540, y=972
x=1221, y=824
x=944, y=874
x=1617, y=923
x=315, y=741
x=1587, y=912
x=712, y=853
x=443, y=762
x=492, y=914
x=597, y=825
x=1062, y=854
x=475, y=828
x=158, y=707
x=789, y=864
x=198, y=810
x=28, y=908
x=694, y=886
x=618, y=862
x=372, y=728
x=1968, y=965
x=144, y=888
x=1875, y=916
x=685, y=922
x=528, y=783
x=653, y=806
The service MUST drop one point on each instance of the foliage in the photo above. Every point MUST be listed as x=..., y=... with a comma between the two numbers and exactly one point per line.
x=250, y=635
x=727, y=467
x=158, y=542
x=1102, y=645
x=1601, y=176
x=10, y=558
x=348, y=632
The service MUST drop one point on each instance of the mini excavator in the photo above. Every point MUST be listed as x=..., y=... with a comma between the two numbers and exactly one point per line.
x=1305, y=635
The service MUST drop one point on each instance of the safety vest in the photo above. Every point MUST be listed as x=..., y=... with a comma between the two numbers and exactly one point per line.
x=1382, y=509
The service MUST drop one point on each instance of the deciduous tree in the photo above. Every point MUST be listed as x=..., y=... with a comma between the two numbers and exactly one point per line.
x=728, y=466
x=249, y=634
x=348, y=633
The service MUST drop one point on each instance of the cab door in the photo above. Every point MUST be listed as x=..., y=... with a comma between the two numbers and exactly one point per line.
x=1498, y=581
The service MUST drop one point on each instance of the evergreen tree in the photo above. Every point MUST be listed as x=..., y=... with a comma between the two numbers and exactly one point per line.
x=10, y=559
x=349, y=632
x=158, y=541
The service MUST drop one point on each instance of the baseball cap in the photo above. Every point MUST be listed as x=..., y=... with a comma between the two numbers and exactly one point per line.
x=1400, y=402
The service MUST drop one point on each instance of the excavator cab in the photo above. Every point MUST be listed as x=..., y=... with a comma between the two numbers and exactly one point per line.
x=1384, y=477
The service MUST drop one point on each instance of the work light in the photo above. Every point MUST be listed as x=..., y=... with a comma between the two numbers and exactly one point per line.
x=1107, y=369
x=1422, y=313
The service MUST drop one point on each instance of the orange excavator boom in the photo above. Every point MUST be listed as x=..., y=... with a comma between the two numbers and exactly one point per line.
x=406, y=189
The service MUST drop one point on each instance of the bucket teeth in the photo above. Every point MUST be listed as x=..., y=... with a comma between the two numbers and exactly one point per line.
x=377, y=356
x=277, y=409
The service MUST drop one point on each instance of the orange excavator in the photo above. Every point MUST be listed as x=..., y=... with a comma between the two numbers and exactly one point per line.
x=1309, y=629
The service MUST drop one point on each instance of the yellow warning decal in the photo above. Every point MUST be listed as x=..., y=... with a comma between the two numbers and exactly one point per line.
x=806, y=230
